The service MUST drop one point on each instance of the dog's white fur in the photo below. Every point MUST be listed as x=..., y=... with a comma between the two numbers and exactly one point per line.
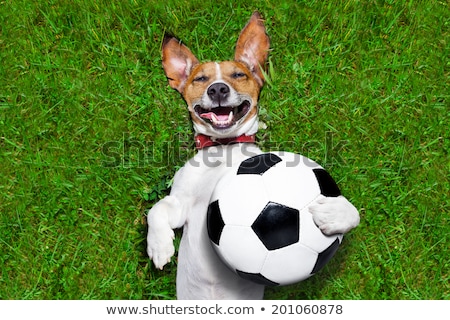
x=201, y=274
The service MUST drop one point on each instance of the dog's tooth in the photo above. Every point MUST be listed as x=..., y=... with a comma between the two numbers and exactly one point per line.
x=230, y=116
x=214, y=118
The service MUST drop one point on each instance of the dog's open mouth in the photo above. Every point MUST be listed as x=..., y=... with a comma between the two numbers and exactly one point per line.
x=223, y=117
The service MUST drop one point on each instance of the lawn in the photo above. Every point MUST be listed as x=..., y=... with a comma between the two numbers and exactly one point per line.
x=91, y=135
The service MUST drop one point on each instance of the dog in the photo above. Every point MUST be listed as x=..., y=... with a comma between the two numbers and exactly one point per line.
x=222, y=98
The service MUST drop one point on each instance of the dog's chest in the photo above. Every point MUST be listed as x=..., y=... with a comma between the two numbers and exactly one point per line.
x=200, y=175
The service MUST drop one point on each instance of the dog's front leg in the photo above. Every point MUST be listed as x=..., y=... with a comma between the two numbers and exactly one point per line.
x=334, y=215
x=162, y=218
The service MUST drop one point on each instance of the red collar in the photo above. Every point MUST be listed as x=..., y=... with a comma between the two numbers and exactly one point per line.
x=202, y=141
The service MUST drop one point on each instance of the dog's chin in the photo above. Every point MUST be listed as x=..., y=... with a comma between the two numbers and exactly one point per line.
x=223, y=118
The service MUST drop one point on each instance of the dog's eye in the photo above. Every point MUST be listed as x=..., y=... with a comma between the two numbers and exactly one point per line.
x=201, y=79
x=237, y=75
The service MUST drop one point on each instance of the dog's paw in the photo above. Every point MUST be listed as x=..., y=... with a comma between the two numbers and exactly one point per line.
x=160, y=246
x=334, y=215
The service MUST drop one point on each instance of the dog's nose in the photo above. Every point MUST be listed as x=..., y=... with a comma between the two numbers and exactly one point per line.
x=218, y=92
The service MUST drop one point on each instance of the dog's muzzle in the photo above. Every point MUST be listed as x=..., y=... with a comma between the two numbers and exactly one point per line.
x=226, y=106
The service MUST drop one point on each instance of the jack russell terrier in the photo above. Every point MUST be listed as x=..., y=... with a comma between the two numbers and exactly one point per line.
x=222, y=99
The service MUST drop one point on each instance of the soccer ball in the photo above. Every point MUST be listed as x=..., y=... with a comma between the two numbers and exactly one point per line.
x=259, y=223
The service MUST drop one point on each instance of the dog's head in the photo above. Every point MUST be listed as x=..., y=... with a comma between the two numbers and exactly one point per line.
x=222, y=97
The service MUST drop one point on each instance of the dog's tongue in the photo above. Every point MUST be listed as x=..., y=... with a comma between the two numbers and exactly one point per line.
x=219, y=114
x=219, y=117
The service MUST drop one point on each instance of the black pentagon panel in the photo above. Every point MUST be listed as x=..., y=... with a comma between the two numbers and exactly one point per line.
x=258, y=164
x=214, y=222
x=325, y=256
x=277, y=226
x=328, y=186
x=257, y=278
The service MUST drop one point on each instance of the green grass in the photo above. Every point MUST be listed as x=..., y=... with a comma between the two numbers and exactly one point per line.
x=91, y=135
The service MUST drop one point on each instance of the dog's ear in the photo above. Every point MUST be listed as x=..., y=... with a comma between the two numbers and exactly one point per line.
x=253, y=45
x=177, y=61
